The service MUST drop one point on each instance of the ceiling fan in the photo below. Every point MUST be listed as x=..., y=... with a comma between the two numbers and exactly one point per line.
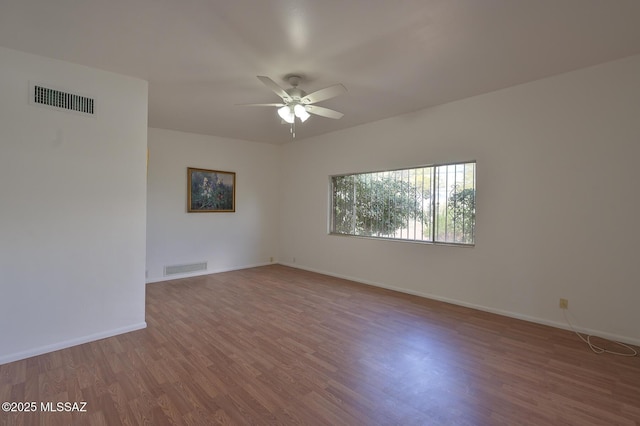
x=297, y=103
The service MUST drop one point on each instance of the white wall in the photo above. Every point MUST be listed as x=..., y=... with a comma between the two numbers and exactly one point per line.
x=226, y=241
x=557, y=207
x=72, y=208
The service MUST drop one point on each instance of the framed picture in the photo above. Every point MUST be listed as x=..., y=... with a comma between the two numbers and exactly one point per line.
x=210, y=191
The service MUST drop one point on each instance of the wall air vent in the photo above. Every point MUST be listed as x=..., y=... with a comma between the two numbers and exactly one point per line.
x=46, y=96
x=184, y=269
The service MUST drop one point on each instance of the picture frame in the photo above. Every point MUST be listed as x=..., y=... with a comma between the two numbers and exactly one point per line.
x=210, y=191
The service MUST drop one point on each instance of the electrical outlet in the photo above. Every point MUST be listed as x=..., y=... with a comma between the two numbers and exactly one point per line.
x=271, y=259
x=294, y=260
x=564, y=304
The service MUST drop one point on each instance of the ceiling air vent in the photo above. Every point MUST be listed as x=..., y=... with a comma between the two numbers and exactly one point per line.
x=41, y=95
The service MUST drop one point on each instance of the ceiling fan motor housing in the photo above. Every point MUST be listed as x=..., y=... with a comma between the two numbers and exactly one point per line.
x=295, y=93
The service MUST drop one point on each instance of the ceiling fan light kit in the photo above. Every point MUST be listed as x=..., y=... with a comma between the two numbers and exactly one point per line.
x=301, y=112
x=297, y=103
x=286, y=114
x=289, y=113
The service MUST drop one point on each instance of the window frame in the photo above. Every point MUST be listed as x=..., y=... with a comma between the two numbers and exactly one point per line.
x=432, y=220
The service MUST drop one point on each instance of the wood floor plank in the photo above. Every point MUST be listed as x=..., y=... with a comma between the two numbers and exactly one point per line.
x=277, y=345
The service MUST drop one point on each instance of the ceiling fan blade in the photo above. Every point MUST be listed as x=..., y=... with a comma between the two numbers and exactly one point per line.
x=275, y=105
x=324, y=94
x=323, y=112
x=274, y=86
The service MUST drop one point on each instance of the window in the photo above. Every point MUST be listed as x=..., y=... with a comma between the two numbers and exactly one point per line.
x=432, y=204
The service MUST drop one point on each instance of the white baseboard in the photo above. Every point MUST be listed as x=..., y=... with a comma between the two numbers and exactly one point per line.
x=609, y=336
x=208, y=272
x=69, y=343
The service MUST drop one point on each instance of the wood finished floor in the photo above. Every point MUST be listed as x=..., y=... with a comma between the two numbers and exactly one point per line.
x=276, y=345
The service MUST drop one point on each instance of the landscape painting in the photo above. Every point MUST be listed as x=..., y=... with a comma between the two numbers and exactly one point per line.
x=211, y=191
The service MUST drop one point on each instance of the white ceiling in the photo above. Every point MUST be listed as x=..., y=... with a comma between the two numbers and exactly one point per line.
x=201, y=57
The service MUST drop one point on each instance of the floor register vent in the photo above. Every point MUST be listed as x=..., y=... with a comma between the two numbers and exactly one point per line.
x=185, y=269
x=46, y=96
